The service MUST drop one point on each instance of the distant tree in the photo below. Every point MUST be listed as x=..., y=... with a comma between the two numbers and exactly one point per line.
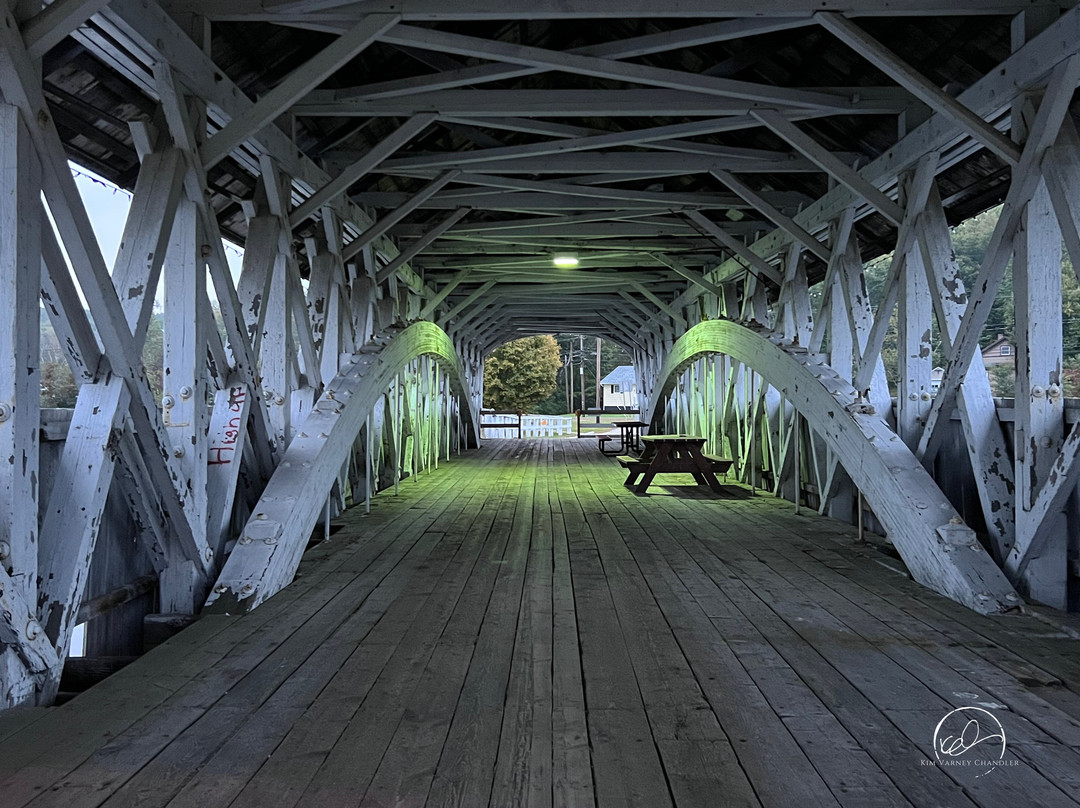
x=153, y=355
x=521, y=373
x=58, y=388
x=1002, y=380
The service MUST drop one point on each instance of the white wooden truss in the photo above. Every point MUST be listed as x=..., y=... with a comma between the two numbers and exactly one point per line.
x=349, y=352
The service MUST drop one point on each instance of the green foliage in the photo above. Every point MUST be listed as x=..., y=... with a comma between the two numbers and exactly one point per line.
x=1002, y=380
x=58, y=388
x=970, y=241
x=521, y=373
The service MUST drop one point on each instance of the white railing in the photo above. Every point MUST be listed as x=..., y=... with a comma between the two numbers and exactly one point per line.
x=531, y=426
x=546, y=426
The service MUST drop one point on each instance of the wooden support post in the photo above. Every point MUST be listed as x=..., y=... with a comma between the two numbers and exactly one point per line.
x=184, y=393
x=226, y=440
x=20, y=381
x=914, y=356
x=73, y=518
x=20, y=273
x=985, y=442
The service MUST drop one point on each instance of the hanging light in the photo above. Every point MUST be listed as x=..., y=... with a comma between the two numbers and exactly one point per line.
x=565, y=260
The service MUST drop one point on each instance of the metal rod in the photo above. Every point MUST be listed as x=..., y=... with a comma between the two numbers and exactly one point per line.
x=370, y=468
x=860, y=516
x=797, y=437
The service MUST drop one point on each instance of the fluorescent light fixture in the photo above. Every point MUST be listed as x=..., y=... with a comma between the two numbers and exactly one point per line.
x=564, y=260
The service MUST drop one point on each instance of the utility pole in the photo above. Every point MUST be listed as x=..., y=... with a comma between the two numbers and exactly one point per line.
x=570, y=376
x=599, y=400
x=581, y=370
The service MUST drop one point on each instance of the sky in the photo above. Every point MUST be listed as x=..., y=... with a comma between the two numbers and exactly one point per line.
x=108, y=208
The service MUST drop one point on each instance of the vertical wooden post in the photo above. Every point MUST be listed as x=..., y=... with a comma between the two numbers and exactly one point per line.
x=184, y=392
x=1039, y=397
x=20, y=384
x=20, y=381
x=915, y=356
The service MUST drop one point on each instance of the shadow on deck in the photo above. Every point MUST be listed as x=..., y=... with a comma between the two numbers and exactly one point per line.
x=519, y=629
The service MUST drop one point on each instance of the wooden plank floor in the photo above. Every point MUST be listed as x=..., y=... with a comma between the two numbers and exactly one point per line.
x=517, y=629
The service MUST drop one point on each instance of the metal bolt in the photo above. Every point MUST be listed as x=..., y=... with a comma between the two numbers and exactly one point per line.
x=5, y=549
x=207, y=251
x=5, y=411
x=245, y=540
x=260, y=515
x=279, y=400
x=925, y=396
x=33, y=630
x=271, y=541
x=1037, y=392
x=168, y=402
x=913, y=397
x=221, y=589
x=1045, y=441
x=247, y=589
x=1054, y=391
x=178, y=452
x=209, y=554
x=185, y=392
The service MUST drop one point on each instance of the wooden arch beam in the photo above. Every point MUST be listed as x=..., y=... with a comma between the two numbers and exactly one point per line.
x=941, y=552
x=269, y=549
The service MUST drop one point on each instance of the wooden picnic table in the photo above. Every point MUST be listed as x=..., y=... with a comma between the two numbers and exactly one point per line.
x=629, y=436
x=673, y=454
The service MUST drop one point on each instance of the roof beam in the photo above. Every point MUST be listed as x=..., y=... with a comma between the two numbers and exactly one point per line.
x=48, y=27
x=755, y=200
x=661, y=304
x=506, y=105
x=757, y=264
x=468, y=301
x=295, y=86
x=684, y=271
x=339, y=184
x=434, y=10
x=660, y=199
x=918, y=85
x=534, y=202
x=619, y=49
x=414, y=249
x=634, y=137
x=389, y=220
x=433, y=304
x=830, y=164
x=609, y=69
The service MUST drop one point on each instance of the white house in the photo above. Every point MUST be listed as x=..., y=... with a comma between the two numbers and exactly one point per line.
x=620, y=388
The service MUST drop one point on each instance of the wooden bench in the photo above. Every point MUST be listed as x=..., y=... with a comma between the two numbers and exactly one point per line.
x=719, y=465
x=632, y=463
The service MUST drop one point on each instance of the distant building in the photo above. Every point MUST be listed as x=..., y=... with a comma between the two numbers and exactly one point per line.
x=936, y=375
x=999, y=352
x=620, y=388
